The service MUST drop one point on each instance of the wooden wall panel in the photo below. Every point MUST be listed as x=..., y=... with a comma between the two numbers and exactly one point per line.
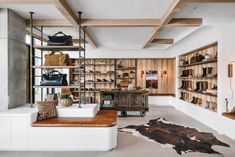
x=166, y=83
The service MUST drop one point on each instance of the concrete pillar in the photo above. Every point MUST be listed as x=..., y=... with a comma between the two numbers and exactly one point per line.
x=12, y=60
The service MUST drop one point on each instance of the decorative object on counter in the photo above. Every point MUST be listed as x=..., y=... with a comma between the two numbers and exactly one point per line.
x=54, y=59
x=46, y=109
x=197, y=58
x=233, y=110
x=66, y=100
x=54, y=78
x=60, y=39
x=184, y=140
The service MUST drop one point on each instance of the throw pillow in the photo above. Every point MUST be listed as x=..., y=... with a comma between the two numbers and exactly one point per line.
x=46, y=109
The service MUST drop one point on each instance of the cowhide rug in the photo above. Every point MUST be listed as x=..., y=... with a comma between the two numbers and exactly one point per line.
x=182, y=139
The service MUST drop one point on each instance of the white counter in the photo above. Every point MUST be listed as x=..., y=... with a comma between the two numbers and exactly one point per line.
x=16, y=132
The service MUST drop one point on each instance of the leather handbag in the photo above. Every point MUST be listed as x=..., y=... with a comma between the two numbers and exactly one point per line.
x=197, y=58
x=60, y=39
x=54, y=59
x=54, y=78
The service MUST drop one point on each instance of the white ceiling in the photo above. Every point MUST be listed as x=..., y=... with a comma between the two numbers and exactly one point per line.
x=128, y=37
x=42, y=11
x=120, y=9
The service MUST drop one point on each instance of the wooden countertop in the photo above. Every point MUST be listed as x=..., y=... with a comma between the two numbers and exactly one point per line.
x=229, y=115
x=104, y=118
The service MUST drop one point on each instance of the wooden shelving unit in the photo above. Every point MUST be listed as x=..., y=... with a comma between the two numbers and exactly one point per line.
x=199, y=63
x=198, y=81
x=96, y=69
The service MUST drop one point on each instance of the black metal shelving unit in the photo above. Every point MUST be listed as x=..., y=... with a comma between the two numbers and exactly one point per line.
x=81, y=67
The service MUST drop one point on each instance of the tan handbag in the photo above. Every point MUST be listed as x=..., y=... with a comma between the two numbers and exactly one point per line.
x=54, y=59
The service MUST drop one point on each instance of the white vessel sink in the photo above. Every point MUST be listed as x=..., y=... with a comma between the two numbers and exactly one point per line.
x=87, y=110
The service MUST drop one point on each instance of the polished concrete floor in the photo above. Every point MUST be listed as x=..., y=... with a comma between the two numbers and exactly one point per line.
x=131, y=146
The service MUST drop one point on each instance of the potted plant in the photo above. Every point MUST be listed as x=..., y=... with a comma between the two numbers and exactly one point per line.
x=66, y=100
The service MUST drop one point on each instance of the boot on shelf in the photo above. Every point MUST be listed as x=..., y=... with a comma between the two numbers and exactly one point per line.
x=190, y=85
x=193, y=100
x=201, y=86
x=205, y=86
x=186, y=85
x=182, y=84
x=204, y=72
x=182, y=95
x=190, y=72
x=209, y=72
x=199, y=101
x=183, y=73
x=197, y=86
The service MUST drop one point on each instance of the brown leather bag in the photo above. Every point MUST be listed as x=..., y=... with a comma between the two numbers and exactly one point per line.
x=54, y=59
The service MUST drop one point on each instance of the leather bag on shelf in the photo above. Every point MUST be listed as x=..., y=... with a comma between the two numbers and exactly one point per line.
x=54, y=78
x=54, y=59
x=197, y=58
x=60, y=39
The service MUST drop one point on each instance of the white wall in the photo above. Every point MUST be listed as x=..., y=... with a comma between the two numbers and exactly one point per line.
x=223, y=33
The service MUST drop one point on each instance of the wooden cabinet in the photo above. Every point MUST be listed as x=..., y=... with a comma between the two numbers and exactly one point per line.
x=129, y=100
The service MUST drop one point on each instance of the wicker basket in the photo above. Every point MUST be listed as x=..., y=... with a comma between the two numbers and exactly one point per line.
x=65, y=102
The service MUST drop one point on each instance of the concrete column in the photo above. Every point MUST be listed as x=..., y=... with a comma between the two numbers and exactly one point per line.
x=12, y=60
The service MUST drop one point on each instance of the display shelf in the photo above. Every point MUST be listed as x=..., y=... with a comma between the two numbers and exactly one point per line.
x=60, y=48
x=191, y=91
x=55, y=67
x=69, y=86
x=130, y=78
x=229, y=115
x=198, y=63
x=130, y=68
x=197, y=78
x=86, y=91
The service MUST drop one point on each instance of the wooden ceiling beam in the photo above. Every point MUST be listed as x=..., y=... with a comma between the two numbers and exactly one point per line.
x=27, y=1
x=172, y=10
x=210, y=1
x=121, y=22
x=183, y=22
x=69, y=15
x=162, y=41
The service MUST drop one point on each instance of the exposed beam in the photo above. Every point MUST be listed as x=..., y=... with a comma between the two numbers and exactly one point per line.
x=181, y=22
x=185, y=22
x=63, y=7
x=50, y=23
x=210, y=1
x=172, y=10
x=121, y=22
x=162, y=41
x=28, y=1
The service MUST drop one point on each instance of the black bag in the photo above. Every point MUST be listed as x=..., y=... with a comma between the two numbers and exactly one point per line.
x=54, y=78
x=64, y=40
x=197, y=58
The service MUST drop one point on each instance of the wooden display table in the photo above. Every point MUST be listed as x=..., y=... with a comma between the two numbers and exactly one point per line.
x=125, y=100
